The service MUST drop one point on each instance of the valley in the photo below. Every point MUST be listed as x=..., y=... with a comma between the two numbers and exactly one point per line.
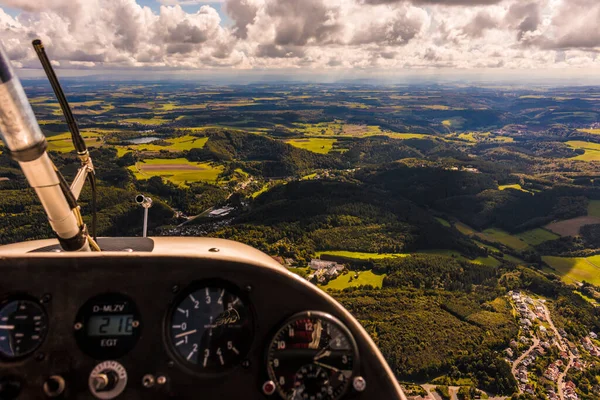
x=439, y=203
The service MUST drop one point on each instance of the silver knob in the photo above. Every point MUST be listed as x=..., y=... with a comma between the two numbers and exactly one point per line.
x=108, y=380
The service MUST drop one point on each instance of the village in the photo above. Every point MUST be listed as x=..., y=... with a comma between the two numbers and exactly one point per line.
x=541, y=344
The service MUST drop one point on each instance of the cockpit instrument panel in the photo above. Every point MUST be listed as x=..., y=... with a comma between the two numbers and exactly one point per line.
x=210, y=328
x=23, y=326
x=107, y=326
x=227, y=324
x=312, y=356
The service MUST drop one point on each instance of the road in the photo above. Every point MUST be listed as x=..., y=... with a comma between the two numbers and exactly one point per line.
x=561, y=343
x=551, y=323
x=561, y=378
x=536, y=342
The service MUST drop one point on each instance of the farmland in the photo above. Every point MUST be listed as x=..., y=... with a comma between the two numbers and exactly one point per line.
x=536, y=236
x=147, y=121
x=592, y=150
x=316, y=145
x=594, y=208
x=62, y=143
x=572, y=226
x=352, y=255
x=515, y=187
x=182, y=143
x=379, y=175
x=364, y=278
x=573, y=270
x=178, y=170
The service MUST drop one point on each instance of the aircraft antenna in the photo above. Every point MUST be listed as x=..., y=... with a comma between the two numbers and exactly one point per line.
x=87, y=167
x=27, y=145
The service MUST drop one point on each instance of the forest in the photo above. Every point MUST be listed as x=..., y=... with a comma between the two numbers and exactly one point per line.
x=447, y=195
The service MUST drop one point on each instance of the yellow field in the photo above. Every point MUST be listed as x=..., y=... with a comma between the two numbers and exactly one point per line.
x=592, y=150
x=182, y=143
x=316, y=145
x=178, y=170
x=62, y=143
x=438, y=107
x=490, y=261
x=147, y=121
x=573, y=270
x=592, y=131
x=348, y=280
x=337, y=129
x=515, y=186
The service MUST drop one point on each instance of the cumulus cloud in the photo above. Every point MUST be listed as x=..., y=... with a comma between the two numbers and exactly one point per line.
x=318, y=34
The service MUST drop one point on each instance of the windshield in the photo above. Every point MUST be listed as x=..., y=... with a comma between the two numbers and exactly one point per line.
x=431, y=164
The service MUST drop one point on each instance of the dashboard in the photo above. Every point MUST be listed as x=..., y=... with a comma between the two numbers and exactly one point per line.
x=176, y=318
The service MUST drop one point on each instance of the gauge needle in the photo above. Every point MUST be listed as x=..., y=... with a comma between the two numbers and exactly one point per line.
x=334, y=369
x=8, y=327
x=186, y=333
x=323, y=353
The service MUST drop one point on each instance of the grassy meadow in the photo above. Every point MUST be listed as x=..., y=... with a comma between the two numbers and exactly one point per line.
x=575, y=269
x=364, y=278
x=177, y=170
x=316, y=145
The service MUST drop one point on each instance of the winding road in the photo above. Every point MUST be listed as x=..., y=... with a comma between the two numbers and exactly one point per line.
x=536, y=342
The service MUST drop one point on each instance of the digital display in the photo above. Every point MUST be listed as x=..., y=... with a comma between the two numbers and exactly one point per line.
x=111, y=325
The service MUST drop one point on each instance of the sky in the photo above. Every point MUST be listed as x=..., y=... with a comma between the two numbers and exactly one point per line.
x=340, y=38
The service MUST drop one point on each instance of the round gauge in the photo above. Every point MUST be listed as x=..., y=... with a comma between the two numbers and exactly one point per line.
x=23, y=327
x=210, y=328
x=107, y=326
x=313, y=356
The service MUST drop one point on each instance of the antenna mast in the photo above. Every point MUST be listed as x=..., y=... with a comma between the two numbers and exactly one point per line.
x=27, y=145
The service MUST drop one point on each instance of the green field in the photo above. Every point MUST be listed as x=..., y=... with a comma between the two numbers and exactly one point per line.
x=518, y=242
x=536, y=236
x=465, y=229
x=404, y=136
x=364, y=278
x=147, y=121
x=573, y=269
x=337, y=128
x=489, y=261
x=177, y=170
x=260, y=191
x=360, y=256
x=376, y=256
x=316, y=145
x=505, y=238
x=63, y=143
x=443, y=222
x=182, y=143
x=594, y=208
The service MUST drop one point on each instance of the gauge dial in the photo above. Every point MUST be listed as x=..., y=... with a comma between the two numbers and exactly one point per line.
x=210, y=329
x=23, y=327
x=313, y=356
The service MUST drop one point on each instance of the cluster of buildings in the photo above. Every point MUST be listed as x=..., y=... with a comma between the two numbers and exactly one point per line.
x=468, y=168
x=527, y=314
x=324, y=270
x=553, y=371
x=588, y=345
x=221, y=212
x=569, y=391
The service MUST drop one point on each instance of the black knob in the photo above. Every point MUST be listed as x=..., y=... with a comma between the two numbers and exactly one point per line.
x=10, y=388
x=106, y=381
